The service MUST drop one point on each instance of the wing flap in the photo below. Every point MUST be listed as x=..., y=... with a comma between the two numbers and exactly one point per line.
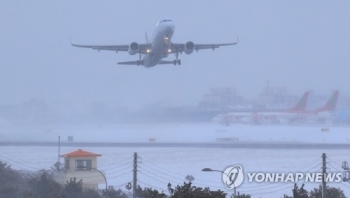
x=179, y=47
x=142, y=47
x=104, y=47
x=212, y=46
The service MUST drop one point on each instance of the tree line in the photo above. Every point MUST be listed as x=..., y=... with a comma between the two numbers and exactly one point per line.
x=16, y=184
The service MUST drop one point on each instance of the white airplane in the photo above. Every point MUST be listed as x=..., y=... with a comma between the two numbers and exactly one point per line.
x=323, y=114
x=251, y=117
x=160, y=47
x=279, y=117
x=298, y=114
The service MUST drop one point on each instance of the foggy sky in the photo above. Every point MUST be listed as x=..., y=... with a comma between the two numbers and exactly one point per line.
x=302, y=45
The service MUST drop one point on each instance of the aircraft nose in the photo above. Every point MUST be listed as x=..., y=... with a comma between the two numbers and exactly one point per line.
x=172, y=26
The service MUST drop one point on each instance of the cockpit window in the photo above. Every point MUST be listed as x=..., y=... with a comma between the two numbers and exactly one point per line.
x=165, y=20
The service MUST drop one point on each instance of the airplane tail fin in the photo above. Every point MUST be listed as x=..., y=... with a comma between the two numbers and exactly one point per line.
x=331, y=103
x=146, y=37
x=301, y=105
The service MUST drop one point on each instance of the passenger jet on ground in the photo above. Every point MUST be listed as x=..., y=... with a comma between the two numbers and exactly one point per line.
x=252, y=117
x=160, y=47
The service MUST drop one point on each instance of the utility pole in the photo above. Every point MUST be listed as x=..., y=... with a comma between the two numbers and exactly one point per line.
x=59, y=145
x=324, y=186
x=134, y=186
x=346, y=172
x=59, y=153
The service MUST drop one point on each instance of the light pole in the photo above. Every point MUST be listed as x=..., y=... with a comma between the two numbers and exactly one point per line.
x=190, y=178
x=211, y=170
x=346, y=172
x=102, y=175
x=96, y=170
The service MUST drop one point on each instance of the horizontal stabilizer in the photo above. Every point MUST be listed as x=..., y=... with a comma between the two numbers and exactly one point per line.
x=129, y=63
x=166, y=62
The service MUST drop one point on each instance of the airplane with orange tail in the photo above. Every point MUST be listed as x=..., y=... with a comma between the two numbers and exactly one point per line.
x=296, y=114
x=257, y=117
x=322, y=114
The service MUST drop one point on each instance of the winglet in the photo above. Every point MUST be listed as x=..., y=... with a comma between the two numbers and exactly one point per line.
x=73, y=44
x=71, y=41
x=237, y=39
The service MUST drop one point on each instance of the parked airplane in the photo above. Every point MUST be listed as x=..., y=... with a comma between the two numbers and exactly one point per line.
x=257, y=117
x=160, y=47
x=296, y=115
x=322, y=114
x=329, y=106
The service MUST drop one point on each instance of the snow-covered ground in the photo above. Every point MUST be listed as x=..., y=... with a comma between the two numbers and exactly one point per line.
x=178, y=133
x=158, y=166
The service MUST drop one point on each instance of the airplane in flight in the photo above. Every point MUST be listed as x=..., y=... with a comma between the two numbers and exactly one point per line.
x=161, y=46
x=251, y=117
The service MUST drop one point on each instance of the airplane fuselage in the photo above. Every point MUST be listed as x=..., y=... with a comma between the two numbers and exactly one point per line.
x=152, y=53
x=160, y=44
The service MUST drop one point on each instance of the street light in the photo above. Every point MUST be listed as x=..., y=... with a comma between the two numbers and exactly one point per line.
x=190, y=178
x=84, y=167
x=211, y=170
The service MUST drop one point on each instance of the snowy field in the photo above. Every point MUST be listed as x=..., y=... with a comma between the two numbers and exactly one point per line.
x=158, y=166
x=177, y=133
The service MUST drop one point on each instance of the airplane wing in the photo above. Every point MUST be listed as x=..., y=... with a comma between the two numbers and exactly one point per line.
x=176, y=47
x=123, y=48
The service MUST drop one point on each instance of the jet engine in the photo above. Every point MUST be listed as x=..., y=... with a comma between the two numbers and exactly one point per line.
x=133, y=48
x=189, y=47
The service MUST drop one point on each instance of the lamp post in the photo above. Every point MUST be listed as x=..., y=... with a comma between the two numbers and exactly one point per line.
x=102, y=176
x=96, y=170
x=211, y=170
x=190, y=178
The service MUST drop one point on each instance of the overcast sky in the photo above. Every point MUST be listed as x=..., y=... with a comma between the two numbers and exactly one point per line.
x=302, y=45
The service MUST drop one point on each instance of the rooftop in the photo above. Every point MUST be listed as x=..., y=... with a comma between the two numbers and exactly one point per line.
x=80, y=153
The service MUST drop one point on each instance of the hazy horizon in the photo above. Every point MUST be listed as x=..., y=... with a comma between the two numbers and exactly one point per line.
x=298, y=45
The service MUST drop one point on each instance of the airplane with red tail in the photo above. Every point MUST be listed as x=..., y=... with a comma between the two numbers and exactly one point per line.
x=257, y=117
x=297, y=114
